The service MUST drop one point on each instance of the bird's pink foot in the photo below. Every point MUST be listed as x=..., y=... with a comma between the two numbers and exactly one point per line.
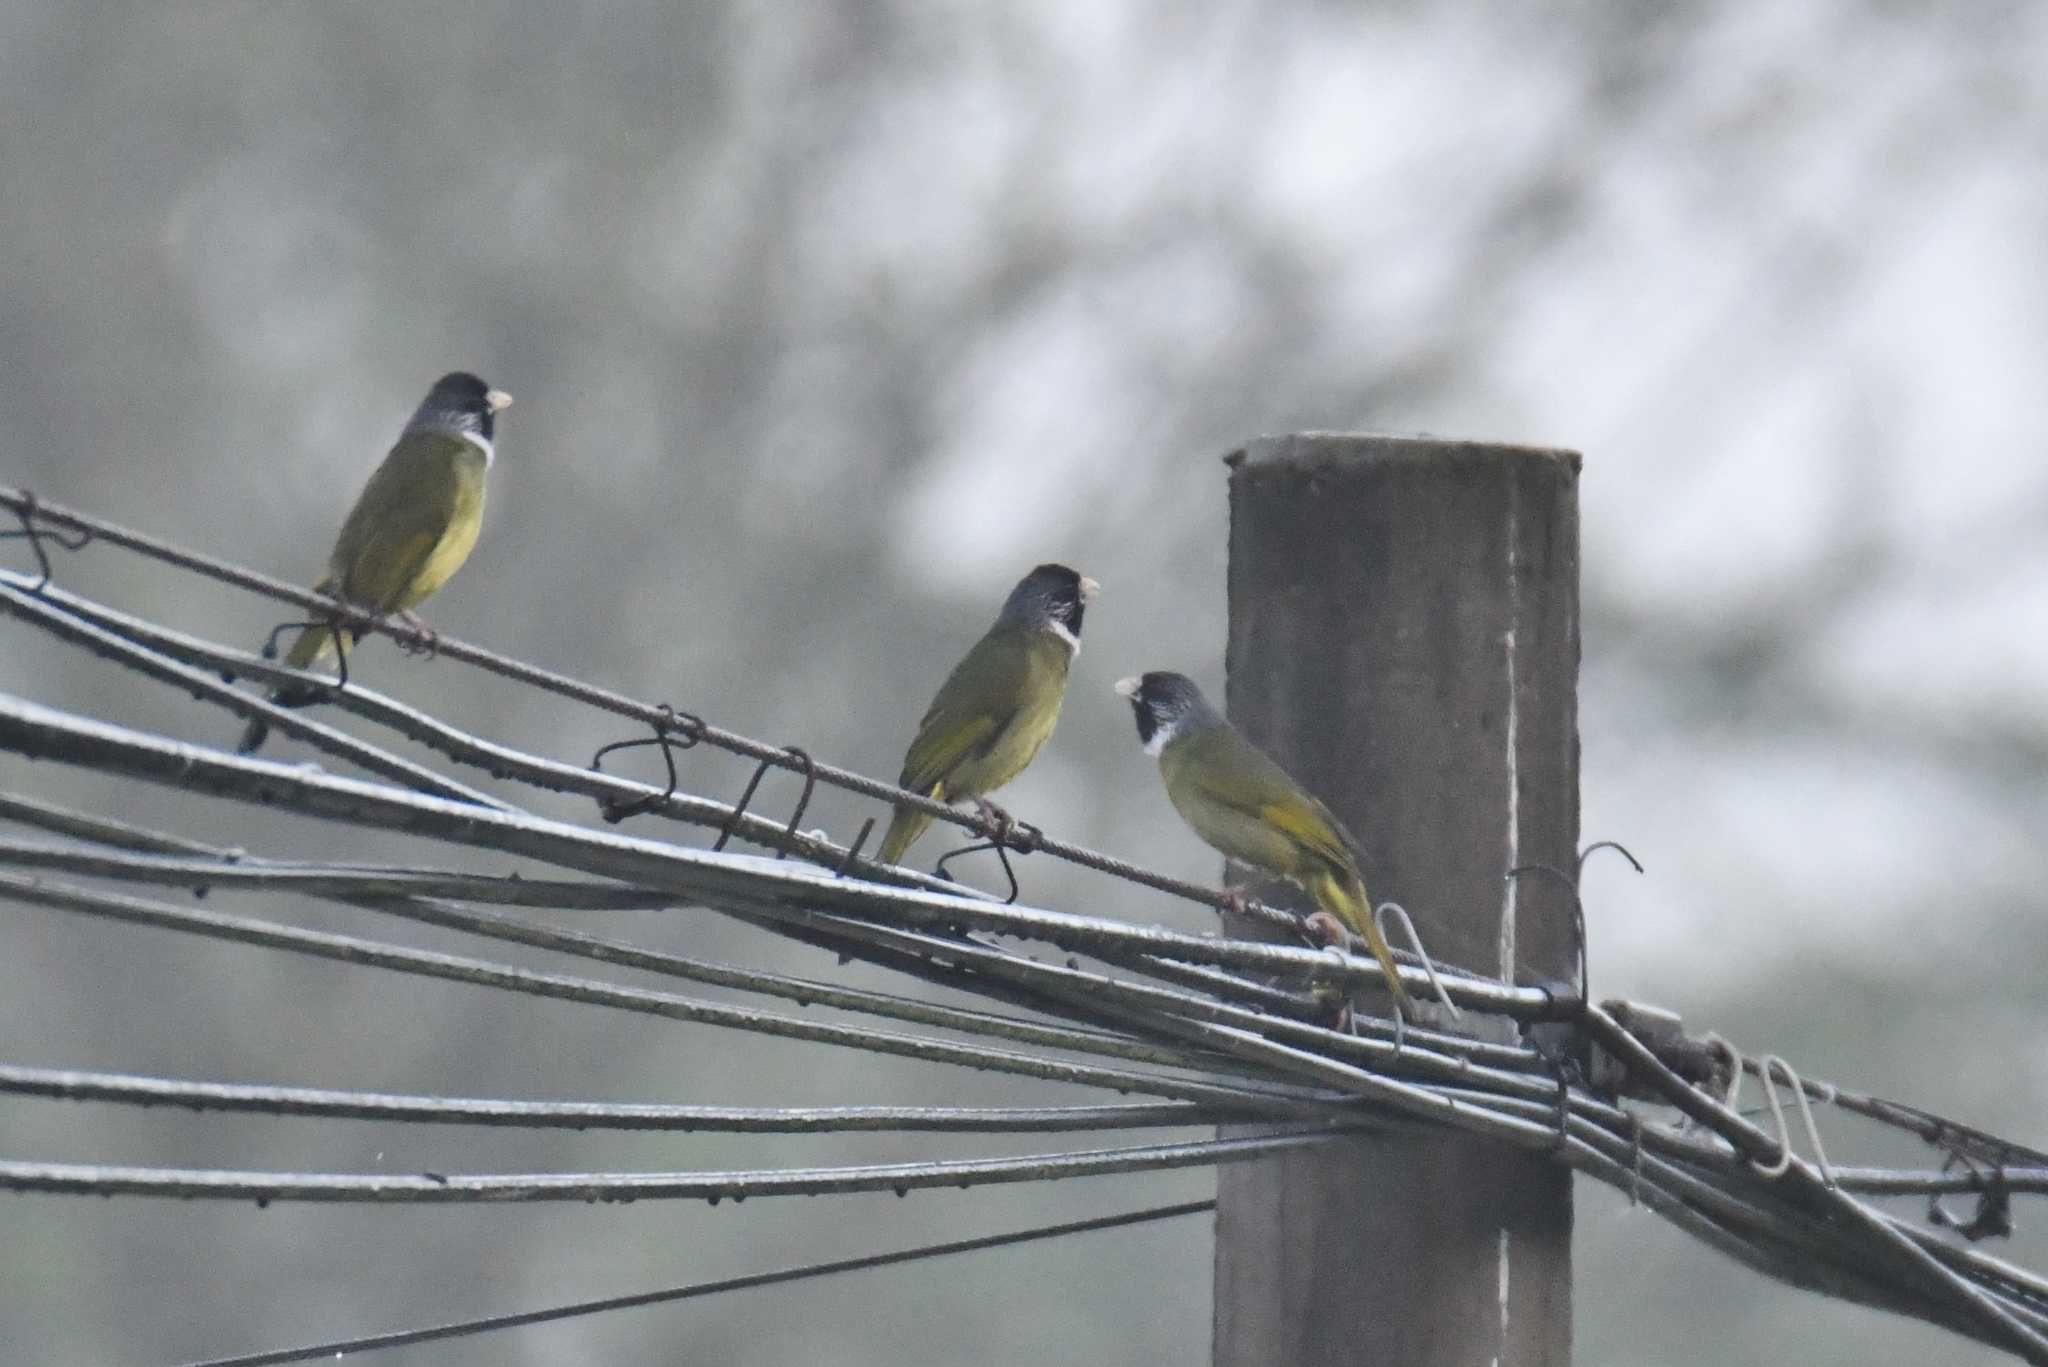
x=1326, y=930
x=425, y=640
x=995, y=822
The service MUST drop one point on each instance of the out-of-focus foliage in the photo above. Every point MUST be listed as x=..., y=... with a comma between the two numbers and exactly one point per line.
x=824, y=323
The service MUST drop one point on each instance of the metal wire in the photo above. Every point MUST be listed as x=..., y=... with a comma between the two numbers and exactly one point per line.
x=562, y=987
x=692, y=874
x=1222, y=1028
x=499, y=761
x=65, y=1084
x=433, y=1188
x=1995, y=1317
x=588, y=694
x=519, y=1319
x=380, y=890
x=106, y=644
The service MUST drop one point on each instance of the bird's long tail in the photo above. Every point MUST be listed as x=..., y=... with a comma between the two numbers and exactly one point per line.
x=1344, y=897
x=904, y=829
x=314, y=644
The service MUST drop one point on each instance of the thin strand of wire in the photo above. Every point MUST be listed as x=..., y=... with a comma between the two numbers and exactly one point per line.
x=203, y=874
x=50, y=733
x=374, y=891
x=66, y=821
x=1529, y=1133
x=1993, y=1308
x=1088, y=992
x=265, y=1186
x=578, y=691
x=1134, y=1006
x=68, y=1084
x=27, y=507
x=207, y=688
x=1620, y=1122
x=466, y=970
x=369, y=888
x=504, y=762
x=480, y=972
x=609, y=1304
x=372, y=888
x=433, y=1188
x=141, y=645
x=358, y=952
x=1758, y=1146
x=500, y=761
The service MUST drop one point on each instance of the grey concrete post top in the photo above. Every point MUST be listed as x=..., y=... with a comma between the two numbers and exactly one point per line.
x=1309, y=449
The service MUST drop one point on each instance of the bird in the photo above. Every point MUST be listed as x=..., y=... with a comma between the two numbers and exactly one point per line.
x=998, y=705
x=412, y=526
x=1246, y=806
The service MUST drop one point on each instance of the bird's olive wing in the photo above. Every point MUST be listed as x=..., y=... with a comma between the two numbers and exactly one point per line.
x=944, y=742
x=397, y=523
x=1309, y=824
x=1260, y=788
x=968, y=716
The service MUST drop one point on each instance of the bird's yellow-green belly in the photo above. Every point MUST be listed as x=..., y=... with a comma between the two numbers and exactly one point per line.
x=1238, y=835
x=446, y=558
x=978, y=775
x=413, y=527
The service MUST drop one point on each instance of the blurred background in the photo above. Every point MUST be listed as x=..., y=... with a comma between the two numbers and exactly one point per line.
x=826, y=322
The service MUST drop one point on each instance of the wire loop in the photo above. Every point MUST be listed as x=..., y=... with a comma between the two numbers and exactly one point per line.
x=847, y=860
x=332, y=624
x=1571, y=883
x=25, y=513
x=1001, y=833
x=1436, y=983
x=673, y=731
x=794, y=755
x=1769, y=1066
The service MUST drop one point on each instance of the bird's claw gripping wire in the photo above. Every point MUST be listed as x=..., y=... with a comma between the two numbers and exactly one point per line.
x=424, y=639
x=1234, y=901
x=76, y=540
x=797, y=757
x=1326, y=931
x=1002, y=833
x=1571, y=883
x=1320, y=928
x=673, y=731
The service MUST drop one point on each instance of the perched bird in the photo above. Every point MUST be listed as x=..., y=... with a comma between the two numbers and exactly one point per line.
x=1000, y=702
x=412, y=527
x=1246, y=806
